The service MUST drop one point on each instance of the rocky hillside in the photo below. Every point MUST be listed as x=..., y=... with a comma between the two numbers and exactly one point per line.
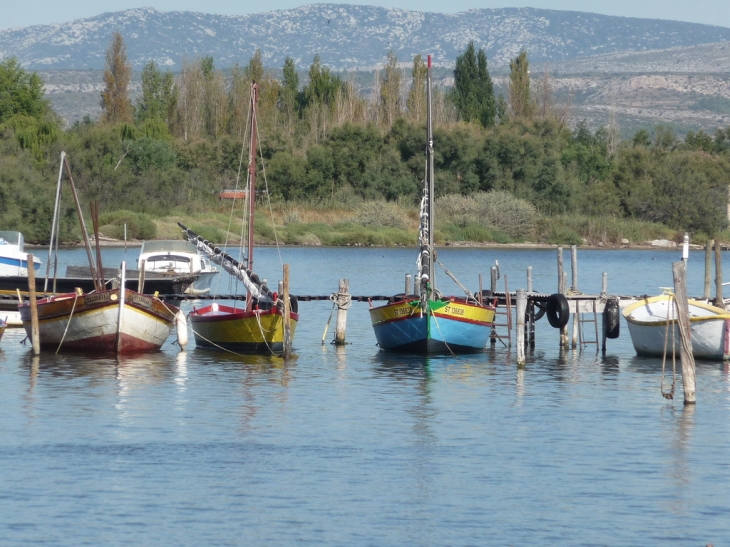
x=345, y=36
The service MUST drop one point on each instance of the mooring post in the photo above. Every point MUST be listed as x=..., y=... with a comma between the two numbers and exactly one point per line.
x=494, y=279
x=685, y=334
x=560, y=270
x=574, y=267
x=564, y=338
x=521, y=311
x=34, y=334
x=343, y=302
x=480, y=298
x=604, y=284
x=408, y=284
x=531, y=316
x=708, y=269
x=529, y=279
x=718, y=275
x=416, y=287
x=287, y=313
x=140, y=278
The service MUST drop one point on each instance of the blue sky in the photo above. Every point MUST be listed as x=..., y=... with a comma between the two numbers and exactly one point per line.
x=22, y=13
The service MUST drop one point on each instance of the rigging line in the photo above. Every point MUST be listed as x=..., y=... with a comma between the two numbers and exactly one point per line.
x=76, y=297
x=263, y=335
x=468, y=293
x=268, y=194
x=438, y=327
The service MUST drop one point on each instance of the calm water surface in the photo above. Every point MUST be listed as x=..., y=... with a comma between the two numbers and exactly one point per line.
x=352, y=446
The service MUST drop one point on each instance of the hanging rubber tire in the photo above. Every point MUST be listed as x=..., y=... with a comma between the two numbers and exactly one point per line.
x=611, y=319
x=557, y=310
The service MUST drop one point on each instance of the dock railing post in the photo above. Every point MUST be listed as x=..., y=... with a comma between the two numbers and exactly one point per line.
x=34, y=334
x=521, y=309
x=708, y=269
x=718, y=275
x=343, y=303
x=679, y=270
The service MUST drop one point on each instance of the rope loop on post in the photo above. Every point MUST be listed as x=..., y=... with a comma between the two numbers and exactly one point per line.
x=342, y=300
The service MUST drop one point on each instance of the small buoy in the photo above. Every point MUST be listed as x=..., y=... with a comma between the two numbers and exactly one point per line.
x=181, y=323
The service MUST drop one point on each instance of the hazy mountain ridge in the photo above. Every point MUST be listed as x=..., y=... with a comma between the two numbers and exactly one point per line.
x=345, y=36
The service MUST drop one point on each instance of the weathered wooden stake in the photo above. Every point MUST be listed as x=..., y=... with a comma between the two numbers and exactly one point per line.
x=521, y=310
x=574, y=267
x=408, y=284
x=529, y=279
x=480, y=298
x=708, y=269
x=287, y=313
x=560, y=271
x=679, y=270
x=34, y=334
x=494, y=279
x=140, y=280
x=531, y=315
x=342, y=305
x=718, y=274
x=122, y=286
x=604, y=283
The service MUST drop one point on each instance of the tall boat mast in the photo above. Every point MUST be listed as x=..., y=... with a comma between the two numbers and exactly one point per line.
x=428, y=278
x=252, y=185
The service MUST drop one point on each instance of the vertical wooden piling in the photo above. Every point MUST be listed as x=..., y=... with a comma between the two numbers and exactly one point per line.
x=480, y=298
x=34, y=334
x=679, y=270
x=560, y=270
x=574, y=267
x=604, y=283
x=718, y=274
x=343, y=300
x=408, y=284
x=529, y=279
x=521, y=310
x=140, y=278
x=494, y=279
x=287, y=313
x=564, y=338
x=708, y=269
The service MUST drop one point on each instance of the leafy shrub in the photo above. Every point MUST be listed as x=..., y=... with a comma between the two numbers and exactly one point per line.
x=380, y=213
x=139, y=225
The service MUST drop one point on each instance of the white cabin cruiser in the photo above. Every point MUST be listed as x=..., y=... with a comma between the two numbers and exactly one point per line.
x=179, y=257
x=13, y=260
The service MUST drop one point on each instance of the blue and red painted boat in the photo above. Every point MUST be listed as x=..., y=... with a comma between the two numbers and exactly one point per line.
x=429, y=322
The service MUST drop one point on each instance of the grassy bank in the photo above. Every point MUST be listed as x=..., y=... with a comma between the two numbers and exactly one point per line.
x=494, y=218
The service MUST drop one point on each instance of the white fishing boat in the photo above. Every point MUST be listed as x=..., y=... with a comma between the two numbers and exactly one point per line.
x=13, y=259
x=653, y=327
x=177, y=257
x=101, y=322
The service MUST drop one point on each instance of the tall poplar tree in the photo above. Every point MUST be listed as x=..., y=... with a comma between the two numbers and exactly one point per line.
x=473, y=92
x=520, y=98
x=417, y=95
x=115, y=98
x=390, y=100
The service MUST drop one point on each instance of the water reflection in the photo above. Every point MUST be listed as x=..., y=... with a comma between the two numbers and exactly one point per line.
x=681, y=423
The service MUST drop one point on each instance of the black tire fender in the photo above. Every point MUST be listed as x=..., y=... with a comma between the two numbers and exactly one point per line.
x=611, y=319
x=557, y=310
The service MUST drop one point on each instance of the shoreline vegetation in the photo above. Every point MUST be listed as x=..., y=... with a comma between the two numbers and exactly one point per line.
x=384, y=224
x=342, y=167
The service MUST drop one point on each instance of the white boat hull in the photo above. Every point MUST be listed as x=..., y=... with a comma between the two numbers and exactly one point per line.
x=653, y=327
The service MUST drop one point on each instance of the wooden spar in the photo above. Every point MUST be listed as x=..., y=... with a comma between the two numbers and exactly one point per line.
x=718, y=275
x=343, y=303
x=83, y=224
x=708, y=268
x=34, y=333
x=56, y=207
x=94, y=206
x=679, y=270
x=251, y=194
x=287, y=313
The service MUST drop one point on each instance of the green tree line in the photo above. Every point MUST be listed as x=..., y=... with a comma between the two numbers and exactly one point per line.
x=180, y=143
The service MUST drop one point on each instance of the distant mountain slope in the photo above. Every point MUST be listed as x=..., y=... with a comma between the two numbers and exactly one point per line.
x=345, y=36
